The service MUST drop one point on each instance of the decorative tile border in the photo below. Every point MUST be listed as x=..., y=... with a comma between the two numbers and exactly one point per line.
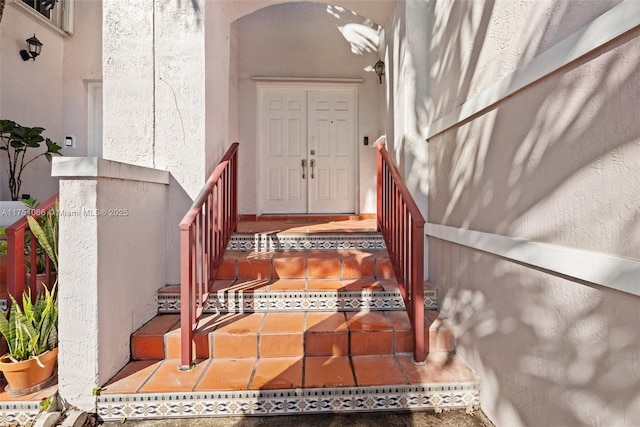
x=294, y=401
x=265, y=242
x=19, y=412
x=249, y=302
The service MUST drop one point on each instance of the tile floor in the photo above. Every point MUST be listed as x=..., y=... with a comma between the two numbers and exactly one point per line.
x=310, y=224
x=284, y=334
x=278, y=373
x=342, y=264
x=22, y=410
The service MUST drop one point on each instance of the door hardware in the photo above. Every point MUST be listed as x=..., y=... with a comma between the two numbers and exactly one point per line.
x=304, y=169
x=312, y=163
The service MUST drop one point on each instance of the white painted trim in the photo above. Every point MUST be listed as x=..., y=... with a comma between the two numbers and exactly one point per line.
x=94, y=119
x=613, y=23
x=68, y=7
x=64, y=30
x=605, y=270
x=307, y=79
x=95, y=167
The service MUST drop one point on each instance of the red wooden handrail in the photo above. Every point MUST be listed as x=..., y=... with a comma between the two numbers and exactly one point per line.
x=205, y=232
x=402, y=226
x=16, y=266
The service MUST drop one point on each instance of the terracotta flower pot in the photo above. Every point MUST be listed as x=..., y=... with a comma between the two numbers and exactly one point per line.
x=25, y=375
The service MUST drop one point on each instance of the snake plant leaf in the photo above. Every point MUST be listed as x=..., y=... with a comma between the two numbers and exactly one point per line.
x=31, y=330
x=47, y=234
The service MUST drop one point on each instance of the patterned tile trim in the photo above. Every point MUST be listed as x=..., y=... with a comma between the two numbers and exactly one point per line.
x=18, y=412
x=294, y=401
x=289, y=242
x=248, y=302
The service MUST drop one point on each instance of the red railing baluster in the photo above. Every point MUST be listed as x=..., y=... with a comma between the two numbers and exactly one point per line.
x=16, y=268
x=402, y=226
x=205, y=232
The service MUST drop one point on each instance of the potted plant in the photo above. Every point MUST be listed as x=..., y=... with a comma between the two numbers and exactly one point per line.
x=16, y=141
x=31, y=333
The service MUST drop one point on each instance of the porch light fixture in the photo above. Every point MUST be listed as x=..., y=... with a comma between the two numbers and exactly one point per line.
x=379, y=69
x=35, y=47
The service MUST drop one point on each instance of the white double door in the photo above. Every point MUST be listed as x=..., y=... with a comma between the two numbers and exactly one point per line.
x=307, y=143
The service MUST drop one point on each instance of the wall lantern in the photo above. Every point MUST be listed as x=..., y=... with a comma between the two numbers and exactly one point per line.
x=379, y=69
x=35, y=46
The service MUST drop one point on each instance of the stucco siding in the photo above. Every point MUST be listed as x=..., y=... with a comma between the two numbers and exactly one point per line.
x=109, y=211
x=31, y=93
x=557, y=162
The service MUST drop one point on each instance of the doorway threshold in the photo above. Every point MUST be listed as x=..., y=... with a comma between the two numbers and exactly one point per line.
x=307, y=217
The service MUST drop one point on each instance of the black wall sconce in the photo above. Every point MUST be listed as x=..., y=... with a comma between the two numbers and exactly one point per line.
x=35, y=47
x=379, y=69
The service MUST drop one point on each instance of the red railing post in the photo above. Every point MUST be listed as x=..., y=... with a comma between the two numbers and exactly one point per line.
x=16, y=270
x=379, y=194
x=185, y=297
x=417, y=281
x=205, y=232
x=402, y=226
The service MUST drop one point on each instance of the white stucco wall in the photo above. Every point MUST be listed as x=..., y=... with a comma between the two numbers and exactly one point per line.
x=105, y=292
x=31, y=93
x=378, y=11
x=166, y=105
x=307, y=40
x=558, y=163
x=82, y=65
x=51, y=91
x=219, y=83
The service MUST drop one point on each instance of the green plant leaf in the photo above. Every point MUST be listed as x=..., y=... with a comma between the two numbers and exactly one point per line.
x=31, y=330
x=47, y=235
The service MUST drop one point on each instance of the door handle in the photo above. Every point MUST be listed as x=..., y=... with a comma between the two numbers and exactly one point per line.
x=312, y=163
x=304, y=169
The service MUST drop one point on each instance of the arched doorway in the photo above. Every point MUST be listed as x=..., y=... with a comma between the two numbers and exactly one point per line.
x=289, y=54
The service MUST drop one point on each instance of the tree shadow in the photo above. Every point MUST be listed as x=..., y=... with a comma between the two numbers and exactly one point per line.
x=548, y=164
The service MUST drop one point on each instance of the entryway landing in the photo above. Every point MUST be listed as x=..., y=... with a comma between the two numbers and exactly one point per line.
x=307, y=224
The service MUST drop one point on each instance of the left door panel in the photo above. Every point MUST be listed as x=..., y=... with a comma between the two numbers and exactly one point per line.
x=282, y=140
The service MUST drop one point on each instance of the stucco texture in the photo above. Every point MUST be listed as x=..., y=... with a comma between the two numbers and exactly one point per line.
x=104, y=221
x=558, y=162
x=51, y=91
x=30, y=94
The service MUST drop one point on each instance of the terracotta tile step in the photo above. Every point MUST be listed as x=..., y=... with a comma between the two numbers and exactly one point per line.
x=291, y=334
x=284, y=373
x=288, y=385
x=253, y=296
x=349, y=264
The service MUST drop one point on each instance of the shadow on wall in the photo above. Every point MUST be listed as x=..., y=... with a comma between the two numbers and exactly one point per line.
x=557, y=162
x=185, y=5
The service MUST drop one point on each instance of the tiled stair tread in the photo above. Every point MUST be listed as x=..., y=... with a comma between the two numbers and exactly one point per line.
x=298, y=285
x=292, y=334
x=233, y=296
x=311, y=264
x=23, y=410
x=302, y=241
x=159, y=376
x=241, y=387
